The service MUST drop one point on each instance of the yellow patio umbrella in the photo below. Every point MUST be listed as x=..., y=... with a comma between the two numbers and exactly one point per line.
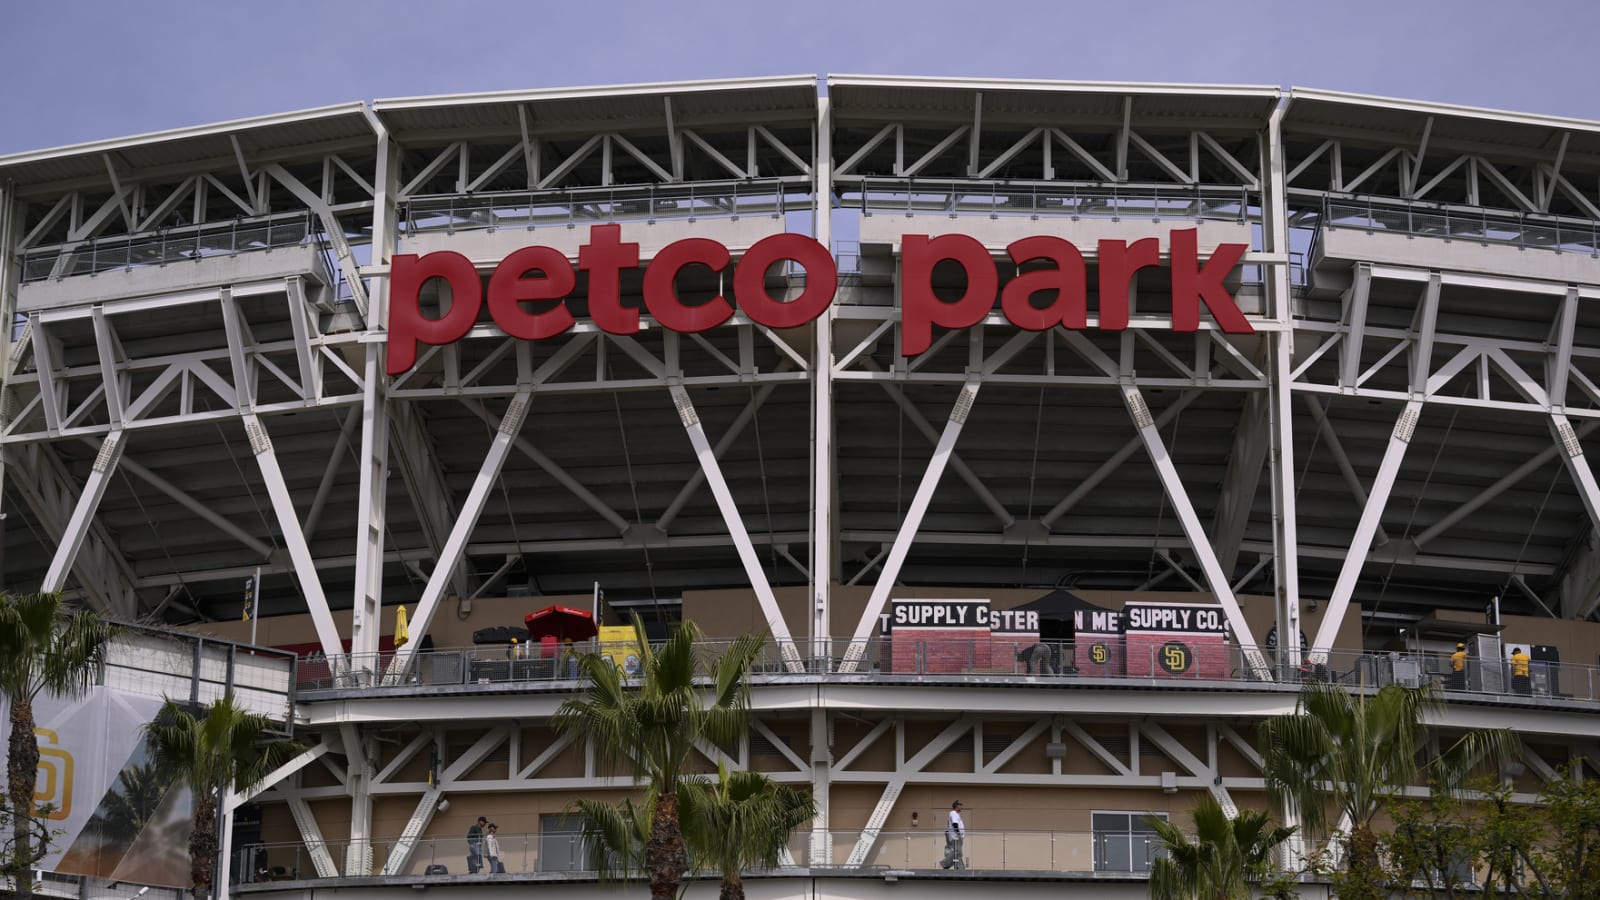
x=401, y=632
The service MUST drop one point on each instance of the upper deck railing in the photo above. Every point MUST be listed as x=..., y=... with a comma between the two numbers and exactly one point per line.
x=168, y=246
x=996, y=662
x=574, y=207
x=1524, y=231
x=913, y=197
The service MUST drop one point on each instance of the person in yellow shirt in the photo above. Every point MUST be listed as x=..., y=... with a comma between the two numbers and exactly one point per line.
x=1520, y=683
x=1458, y=669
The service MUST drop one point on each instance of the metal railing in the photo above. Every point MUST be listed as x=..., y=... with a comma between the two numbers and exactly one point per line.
x=1000, y=658
x=914, y=197
x=1529, y=232
x=563, y=852
x=569, y=208
x=170, y=245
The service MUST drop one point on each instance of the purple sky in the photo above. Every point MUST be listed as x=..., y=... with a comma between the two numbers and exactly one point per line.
x=88, y=69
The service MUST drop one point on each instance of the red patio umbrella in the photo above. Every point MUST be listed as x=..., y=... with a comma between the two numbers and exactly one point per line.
x=562, y=623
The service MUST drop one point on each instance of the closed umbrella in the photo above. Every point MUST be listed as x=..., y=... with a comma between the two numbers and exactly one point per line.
x=402, y=634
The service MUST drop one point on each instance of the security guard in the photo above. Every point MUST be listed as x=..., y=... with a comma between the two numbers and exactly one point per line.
x=1458, y=669
x=1520, y=683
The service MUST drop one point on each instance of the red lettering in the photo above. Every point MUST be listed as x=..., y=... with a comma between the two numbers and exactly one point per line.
x=1193, y=284
x=921, y=308
x=509, y=288
x=660, y=285
x=604, y=258
x=407, y=325
x=1067, y=279
x=1119, y=261
x=750, y=280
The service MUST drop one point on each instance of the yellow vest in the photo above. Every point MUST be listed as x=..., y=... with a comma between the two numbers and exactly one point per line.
x=1458, y=661
x=1519, y=664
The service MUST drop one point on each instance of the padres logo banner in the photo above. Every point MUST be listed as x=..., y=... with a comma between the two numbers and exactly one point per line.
x=1175, y=640
x=110, y=815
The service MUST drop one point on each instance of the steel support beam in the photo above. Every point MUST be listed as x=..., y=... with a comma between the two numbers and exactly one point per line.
x=1243, y=477
x=736, y=530
x=555, y=471
x=466, y=521
x=83, y=512
x=1361, y=542
x=1330, y=436
x=1178, y=496
x=294, y=539
x=411, y=451
x=824, y=473
x=108, y=582
x=908, y=529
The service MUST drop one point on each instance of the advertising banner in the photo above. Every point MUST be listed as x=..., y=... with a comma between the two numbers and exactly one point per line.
x=109, y=813
x=1175, y=640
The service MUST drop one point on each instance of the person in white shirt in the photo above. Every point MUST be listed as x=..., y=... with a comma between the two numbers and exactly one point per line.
x=491, y=848
x=954, y=834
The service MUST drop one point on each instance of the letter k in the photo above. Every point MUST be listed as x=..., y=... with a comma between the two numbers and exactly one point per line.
x=1192, y=284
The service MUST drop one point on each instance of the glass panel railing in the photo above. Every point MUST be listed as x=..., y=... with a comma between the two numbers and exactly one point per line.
x=174, y=245
x=570, y=208
x=999, y=658
x=1483, y=226
x=918, y=197
x=1065, y=852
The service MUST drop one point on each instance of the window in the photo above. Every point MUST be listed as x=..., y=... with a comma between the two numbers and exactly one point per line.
x=560, y=845
x=1124, y=842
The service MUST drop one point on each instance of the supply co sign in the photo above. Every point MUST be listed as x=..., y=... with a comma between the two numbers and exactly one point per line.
x=543, y=275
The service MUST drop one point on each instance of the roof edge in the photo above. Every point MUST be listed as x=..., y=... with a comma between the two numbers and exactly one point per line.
x=393, y=104
x=1264, y=91
x=1430, y=107
x=173, y=135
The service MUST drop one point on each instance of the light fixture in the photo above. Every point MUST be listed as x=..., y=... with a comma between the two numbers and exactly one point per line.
x=914, y=820
x=444, y=804
x=1169, y=782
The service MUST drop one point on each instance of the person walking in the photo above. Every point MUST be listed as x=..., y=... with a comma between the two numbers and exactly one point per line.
x=954, y=834
x=475, y=846
x=1458, y=669
x=1520, y=683
x=491, y=847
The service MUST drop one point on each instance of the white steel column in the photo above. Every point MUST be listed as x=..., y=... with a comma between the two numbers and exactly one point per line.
x=372, y=498
x=1361, y=541
x=908, y=529
x=822, y=444
x=456, y=544
x=1280, y=400
x=1577, y=466
x=736, y=530
x=305, y=568
x=105, y=463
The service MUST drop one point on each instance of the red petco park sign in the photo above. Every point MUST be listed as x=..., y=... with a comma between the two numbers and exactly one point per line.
x=535, y=274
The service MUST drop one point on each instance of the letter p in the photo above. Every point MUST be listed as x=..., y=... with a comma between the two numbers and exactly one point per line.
x=408, y=327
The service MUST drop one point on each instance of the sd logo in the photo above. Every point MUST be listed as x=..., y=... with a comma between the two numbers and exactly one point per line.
x=53, y=790
x=1174, y=657
x=1100, y=654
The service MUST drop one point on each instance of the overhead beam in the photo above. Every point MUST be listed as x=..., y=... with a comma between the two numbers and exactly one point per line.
x=83, y=513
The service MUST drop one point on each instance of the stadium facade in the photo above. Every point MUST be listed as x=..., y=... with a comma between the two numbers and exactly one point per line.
x=1055, y=431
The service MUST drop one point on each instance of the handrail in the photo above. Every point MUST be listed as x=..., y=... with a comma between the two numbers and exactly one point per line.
x=572, y=207
x=955, y=197
x=561, y=852
x=1527, y=231
x=998, y=660
x=168, y=245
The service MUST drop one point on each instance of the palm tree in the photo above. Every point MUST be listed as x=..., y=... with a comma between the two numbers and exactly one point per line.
x=1223, y=862
x=1349, y=751
x=225, y=748
x=741, y=821
x=651, y=724
x=613, y=836
x=43, y=649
